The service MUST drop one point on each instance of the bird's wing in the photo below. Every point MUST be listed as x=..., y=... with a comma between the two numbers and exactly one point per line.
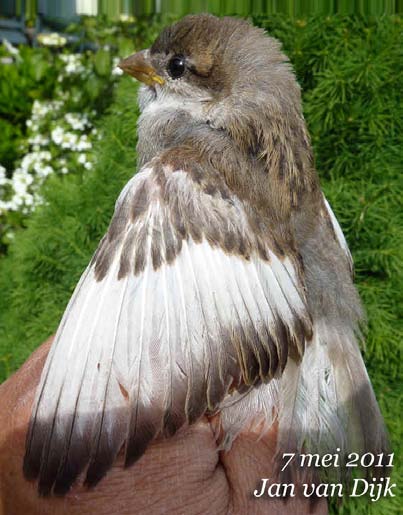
x=182, y=302
x=338, y=233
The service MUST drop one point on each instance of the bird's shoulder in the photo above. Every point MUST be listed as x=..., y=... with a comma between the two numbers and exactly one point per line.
x=180, y=196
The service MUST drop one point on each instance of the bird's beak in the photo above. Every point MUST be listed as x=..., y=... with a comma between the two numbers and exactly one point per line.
x=138, y=66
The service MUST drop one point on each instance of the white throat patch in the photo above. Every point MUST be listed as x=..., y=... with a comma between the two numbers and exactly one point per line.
x=153, y=102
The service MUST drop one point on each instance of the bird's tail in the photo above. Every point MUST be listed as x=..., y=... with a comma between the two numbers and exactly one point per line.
x=323, y=405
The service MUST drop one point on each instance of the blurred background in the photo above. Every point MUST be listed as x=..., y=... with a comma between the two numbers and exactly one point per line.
x=68, y=9
x=67, y=147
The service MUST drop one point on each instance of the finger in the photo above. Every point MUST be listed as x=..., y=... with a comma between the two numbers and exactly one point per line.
x=249, y=461
x=167, y=479
x=27, y=376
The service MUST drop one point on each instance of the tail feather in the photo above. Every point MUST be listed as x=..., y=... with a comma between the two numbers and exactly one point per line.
x=325, y=404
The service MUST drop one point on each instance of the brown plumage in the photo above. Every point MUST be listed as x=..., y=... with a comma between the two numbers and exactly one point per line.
x=223, y=283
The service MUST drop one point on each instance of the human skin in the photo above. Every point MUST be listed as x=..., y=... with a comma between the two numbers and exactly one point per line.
x=183, y=475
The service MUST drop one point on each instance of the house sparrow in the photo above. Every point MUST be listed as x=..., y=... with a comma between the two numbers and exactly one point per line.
x=223, y=284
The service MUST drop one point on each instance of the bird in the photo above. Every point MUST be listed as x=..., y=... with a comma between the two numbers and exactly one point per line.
x=223, y=285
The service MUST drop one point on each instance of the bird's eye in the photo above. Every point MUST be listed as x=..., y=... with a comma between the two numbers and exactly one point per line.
x=176, y=66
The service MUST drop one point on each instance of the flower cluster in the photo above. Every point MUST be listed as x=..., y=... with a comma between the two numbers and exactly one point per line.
x=70, y=140
x=59, y=141
x=52, y=39
x=55, y=139
x=53, y=135
x=73, y=65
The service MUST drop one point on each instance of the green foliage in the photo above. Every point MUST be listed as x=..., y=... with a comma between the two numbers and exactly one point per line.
x=48, y=257
x=9, y=142
x=39, y=88
x=124, y=36
x=349, y=71
x=30, y=77
x=114, y=9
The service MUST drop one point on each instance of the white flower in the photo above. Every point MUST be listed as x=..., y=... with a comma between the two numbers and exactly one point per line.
x=13, y=204
x=73, y=63
x=82, y=159
x=17, y=200
x=41, y=109
x=64, y=170
x=20, y=181
x=117, y=71
x=126, y=18
x=27, y=161
x=57, y=135
x=7, y=205
x=27, y=199
x=3, y=178
x=77, y=122
x=45, y=155
x=6, y=60
x=83, y=143
x=10, y=48
x=69, y=140
x=34, y=127
x=38, y=140
x=43, y=171
x=30, y=159
x=54, y=39
x=21, y=201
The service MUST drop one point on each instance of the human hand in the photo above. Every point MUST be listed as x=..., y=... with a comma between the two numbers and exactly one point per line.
x=183, y=475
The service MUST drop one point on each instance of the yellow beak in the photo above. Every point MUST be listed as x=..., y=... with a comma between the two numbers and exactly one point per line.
x=139, y=67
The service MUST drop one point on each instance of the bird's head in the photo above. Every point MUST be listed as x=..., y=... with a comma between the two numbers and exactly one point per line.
x=223, y=72
x=229, y=76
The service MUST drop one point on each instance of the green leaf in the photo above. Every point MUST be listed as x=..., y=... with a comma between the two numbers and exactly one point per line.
x=126, y=47
x=103, y=62
x=38, y=67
